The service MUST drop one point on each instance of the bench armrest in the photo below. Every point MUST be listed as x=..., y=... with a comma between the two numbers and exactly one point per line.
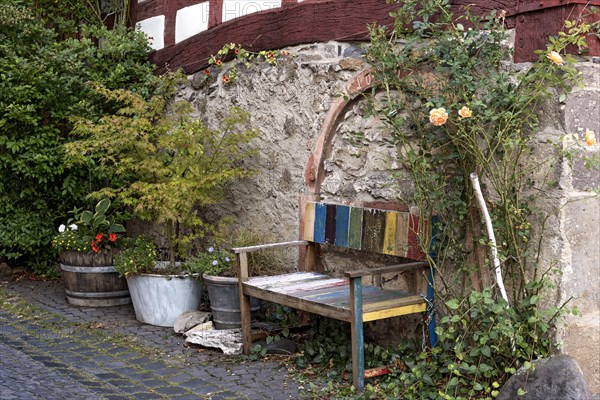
x=251, y=249
x=387, y=269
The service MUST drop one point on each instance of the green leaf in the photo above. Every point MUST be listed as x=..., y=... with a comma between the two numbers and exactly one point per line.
x=102, y=206
x=453, y=304
x=86, y=217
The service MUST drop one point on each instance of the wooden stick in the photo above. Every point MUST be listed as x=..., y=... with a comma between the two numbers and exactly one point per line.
x=491, y=235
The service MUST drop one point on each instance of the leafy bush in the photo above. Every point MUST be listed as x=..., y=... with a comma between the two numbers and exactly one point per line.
x=46, y=62
x=164, y=165
x=138, y=256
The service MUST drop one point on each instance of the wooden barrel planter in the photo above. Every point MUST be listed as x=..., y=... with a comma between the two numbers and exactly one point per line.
x=91, y=280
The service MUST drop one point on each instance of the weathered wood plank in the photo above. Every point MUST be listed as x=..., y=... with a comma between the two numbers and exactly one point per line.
x=373, y=230
x=245, y=312
x=320, y=214
x=357, y=334
x=387, y=269
x=342, y=223
x=309, y=222
x=266, y=282
x=394, y=312
x=392, y=301
x=401, y=249
x=330, y=227
x=389, y=236
x=301, y=304
x=414, y=246
x=355, y=229
x=307, y=286
x=250, y=249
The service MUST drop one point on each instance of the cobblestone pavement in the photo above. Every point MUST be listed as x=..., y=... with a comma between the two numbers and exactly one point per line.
x=67, y=352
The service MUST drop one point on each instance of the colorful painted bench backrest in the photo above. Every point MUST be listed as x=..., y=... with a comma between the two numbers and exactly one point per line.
x=395, y=233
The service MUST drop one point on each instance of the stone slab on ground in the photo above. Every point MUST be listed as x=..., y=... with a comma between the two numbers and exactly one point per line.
x=190, y=319
x=228, y=340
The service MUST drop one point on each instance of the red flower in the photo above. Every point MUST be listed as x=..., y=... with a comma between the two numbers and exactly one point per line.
x=112, y=237
x=206, y=72
x=236, y=51
x=99, y=237
x=95, y=248
x=226, y=79
x=218, y=62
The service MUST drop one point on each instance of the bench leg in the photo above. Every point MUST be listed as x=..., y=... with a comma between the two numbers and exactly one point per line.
x=246, y=323
x=430, y=312
x=358, y=340
x=245, y=312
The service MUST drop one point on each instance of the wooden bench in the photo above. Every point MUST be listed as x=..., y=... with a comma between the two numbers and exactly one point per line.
x=347, y=299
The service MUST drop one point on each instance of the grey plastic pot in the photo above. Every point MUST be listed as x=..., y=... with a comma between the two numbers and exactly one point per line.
x=160, y=299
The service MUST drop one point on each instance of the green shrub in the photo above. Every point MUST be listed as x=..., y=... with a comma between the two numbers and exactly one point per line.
x=46, y=62
x=138, y=256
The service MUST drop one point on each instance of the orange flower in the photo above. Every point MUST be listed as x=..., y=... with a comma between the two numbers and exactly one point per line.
x=218, y=62
x=270, y=54
x=284, y=53
x=226, y=79
x=555, y=57
x=206, y=72
x=465, y=112
x=590, y=137
x=236, y=51
x=438, y=116
x=112, y=237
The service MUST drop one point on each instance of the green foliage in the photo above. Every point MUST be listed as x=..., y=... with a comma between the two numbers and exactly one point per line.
x=138, y=256
x=453, y=107
x=163, y=164
x=46, y=60
x=481, y=344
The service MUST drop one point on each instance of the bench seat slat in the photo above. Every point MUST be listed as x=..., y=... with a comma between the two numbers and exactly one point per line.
x=308, y=282
x=318, y=293
x=269, y=281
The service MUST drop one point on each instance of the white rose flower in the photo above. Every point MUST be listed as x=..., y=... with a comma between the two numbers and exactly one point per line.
x=61, y=228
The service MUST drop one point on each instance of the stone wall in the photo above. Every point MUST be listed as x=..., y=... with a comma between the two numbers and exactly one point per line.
x=580, y=229
x=290, y=103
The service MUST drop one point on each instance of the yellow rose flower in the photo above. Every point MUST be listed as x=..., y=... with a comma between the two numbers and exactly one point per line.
x=438, y=116
x=590, y=137
x=555, y=57
x=465, y=112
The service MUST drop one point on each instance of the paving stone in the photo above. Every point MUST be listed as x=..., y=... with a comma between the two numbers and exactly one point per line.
x=170, y=390
x=148, y=396
x=69, y=359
